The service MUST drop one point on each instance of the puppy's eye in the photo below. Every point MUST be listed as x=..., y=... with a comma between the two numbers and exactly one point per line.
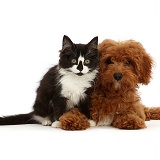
x=127, y=63
x=109, y=61
x=74, y=61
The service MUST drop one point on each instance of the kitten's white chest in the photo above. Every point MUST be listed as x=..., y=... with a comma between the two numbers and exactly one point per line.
x=74, y=87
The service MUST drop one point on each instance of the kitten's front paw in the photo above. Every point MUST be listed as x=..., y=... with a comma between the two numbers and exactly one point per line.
x=92, y=123
x=56, y=124
x=46, y=122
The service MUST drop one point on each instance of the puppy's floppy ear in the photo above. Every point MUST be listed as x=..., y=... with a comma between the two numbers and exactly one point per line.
x=104, y=45
x=146, y=69
x=145, y=63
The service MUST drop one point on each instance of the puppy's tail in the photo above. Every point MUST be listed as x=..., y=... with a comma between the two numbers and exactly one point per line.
x=152, y=113
x=18, y=119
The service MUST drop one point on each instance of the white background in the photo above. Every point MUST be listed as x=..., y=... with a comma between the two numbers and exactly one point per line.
x=31, y=34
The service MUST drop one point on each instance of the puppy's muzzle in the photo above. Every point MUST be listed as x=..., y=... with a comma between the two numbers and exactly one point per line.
x=117, y=76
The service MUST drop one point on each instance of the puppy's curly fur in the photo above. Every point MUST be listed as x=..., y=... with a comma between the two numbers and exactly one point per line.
x=74, y=120
x=123, y=66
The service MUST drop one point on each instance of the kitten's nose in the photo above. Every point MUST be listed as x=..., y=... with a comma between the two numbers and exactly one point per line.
x=117, y=76
x=80, y=66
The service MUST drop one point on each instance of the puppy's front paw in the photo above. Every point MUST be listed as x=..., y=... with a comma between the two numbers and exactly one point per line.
x=129, y=121
x=74, y=120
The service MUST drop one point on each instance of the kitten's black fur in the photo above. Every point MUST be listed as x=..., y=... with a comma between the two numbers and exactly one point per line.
x=78, y=65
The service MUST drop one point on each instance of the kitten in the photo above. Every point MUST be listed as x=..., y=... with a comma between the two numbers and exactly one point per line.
x=65, y=86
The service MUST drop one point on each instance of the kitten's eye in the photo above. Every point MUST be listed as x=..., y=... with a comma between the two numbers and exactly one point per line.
x=109, y=61
x=87, y=61
x=127, y=63
x=74, y=61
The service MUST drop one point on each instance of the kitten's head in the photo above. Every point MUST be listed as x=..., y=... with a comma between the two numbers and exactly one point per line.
x=79, y=58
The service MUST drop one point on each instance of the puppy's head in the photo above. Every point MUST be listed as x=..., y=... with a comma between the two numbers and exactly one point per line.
x=124, y=65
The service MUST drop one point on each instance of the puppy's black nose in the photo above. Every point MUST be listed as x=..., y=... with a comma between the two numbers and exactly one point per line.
x=117, y=76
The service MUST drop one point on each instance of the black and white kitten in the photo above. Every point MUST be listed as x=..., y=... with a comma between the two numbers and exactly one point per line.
x=65, y=86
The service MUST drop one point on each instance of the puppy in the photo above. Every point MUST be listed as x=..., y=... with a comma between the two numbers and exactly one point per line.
x=123, y=66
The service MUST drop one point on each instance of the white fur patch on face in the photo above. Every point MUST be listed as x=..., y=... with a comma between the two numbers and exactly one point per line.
x=74, y=86
x=85, y=68
x=117, y=85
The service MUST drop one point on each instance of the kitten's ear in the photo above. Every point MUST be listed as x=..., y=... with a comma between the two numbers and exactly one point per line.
x=93, y=43
x=66, y=42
